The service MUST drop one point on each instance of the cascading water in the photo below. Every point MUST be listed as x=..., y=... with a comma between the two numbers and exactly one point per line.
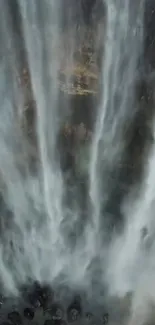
x=123, y=44
x=33, y=238
x=35, y=203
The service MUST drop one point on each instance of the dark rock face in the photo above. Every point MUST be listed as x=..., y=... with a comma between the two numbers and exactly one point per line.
x=149, y=35
x=15, y=21
x=85, y=11
x=38, y=296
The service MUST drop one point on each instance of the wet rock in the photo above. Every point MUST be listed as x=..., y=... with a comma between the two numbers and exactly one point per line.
x=30, y=295
x=40, y=296
x=89, y=317
x=74, y=311
x=2, y=300
x=45, y=297
x=56, y=311
x=34, y=300
x=29, y=313
x=15, y=318
x=105, y=319
x=73, y=314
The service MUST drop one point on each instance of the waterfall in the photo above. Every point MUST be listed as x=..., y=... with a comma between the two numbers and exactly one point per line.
x=44, y=236
x=118, y=107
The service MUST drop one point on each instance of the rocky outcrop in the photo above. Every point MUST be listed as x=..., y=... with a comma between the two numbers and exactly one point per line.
x=78, y=84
